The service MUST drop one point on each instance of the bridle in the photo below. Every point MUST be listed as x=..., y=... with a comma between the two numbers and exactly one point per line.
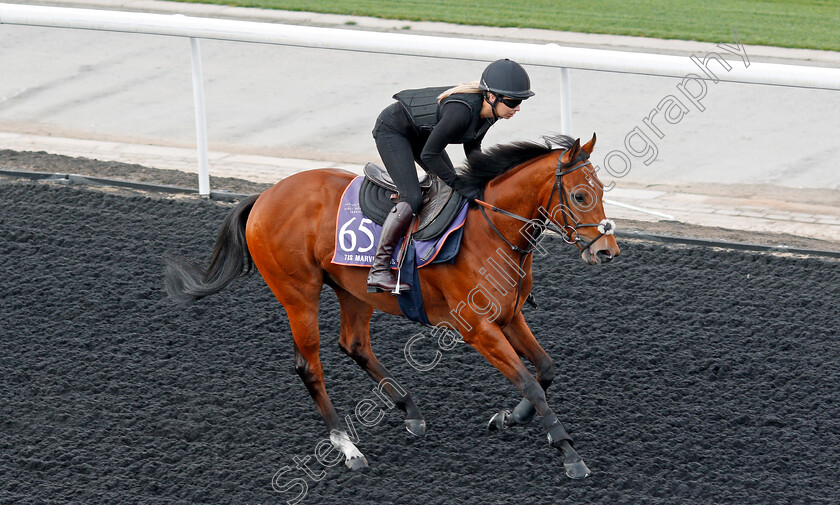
x=605, y=227
x=567, y=229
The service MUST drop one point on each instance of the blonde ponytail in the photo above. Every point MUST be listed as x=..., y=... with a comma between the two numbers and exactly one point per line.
x=469, y=87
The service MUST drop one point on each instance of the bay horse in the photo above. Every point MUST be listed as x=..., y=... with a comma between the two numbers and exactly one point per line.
x=288, y=232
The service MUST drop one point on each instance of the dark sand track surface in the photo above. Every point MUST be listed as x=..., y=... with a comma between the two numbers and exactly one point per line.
x=685, y=374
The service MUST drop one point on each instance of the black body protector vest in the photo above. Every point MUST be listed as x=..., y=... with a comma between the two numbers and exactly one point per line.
x=423, y=109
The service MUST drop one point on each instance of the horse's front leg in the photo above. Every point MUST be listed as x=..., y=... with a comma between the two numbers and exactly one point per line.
x=490, y=342
x=523, y=342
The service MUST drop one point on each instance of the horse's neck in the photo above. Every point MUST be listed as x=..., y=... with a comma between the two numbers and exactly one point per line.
x=523, y=189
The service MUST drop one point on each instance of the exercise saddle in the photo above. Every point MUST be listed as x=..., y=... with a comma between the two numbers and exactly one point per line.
x=440, y=202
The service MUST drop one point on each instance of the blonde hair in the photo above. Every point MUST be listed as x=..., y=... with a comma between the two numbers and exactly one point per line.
x=467, y=87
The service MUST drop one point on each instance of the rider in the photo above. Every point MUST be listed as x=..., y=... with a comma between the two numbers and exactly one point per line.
x=419, y=126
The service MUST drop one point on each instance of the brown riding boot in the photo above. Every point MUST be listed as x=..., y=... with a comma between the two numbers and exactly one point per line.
x=381, y=278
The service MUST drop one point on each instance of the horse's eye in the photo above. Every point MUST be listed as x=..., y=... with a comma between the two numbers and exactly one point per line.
x=580, y=197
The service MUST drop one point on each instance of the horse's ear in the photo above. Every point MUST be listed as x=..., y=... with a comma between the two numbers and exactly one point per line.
x=589, y=146
x=570, y=155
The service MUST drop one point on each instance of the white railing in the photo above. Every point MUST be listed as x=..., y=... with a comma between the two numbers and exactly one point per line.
x=550, y=55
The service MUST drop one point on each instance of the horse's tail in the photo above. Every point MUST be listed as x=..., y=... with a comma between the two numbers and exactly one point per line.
x=186, y=281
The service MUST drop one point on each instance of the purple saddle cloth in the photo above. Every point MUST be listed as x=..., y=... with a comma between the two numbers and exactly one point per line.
x=357, y=236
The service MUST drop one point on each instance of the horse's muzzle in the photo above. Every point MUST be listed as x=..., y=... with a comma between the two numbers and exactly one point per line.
x=598, y=254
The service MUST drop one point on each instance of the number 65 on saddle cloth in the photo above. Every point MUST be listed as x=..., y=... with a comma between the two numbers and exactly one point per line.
x=357, y=235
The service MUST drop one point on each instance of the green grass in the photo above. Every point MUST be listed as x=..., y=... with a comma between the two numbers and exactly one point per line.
x=812, y=24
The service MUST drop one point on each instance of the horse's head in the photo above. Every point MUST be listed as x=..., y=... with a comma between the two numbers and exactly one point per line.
x=576, y=206
x=570, y=203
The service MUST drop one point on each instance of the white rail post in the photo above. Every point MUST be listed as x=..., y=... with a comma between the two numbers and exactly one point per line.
x=200, y=119
x=565, y=102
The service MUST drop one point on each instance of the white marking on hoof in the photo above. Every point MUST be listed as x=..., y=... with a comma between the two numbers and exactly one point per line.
x=357, y=463
x=354, y=459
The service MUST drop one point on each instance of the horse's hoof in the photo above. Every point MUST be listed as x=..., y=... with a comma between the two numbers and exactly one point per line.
x=356, y=463
x=416, y=427
x=497, y=422
x=577, y=470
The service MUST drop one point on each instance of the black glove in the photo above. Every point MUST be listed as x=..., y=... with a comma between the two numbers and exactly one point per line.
x=471, y=193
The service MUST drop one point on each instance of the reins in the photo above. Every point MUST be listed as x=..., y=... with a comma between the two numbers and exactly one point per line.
x=605, y=227
x=523, y=253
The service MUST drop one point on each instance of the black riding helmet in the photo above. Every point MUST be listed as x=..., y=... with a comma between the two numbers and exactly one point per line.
x=506, y=78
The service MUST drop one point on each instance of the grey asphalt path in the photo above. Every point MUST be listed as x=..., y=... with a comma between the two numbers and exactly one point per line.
x=273, y=110
x=321, y=104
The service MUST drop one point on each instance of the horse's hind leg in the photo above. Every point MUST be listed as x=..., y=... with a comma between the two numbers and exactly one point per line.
x=301, y=304
x=523, y=342
x=355, y=341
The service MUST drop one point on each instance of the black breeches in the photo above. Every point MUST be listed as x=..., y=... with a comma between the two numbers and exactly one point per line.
x=399, y=153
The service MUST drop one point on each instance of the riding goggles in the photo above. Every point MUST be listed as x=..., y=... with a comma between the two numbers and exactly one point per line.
x=510, y=102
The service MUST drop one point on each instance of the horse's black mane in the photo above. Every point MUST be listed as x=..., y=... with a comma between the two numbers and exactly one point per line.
x=486, y=165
